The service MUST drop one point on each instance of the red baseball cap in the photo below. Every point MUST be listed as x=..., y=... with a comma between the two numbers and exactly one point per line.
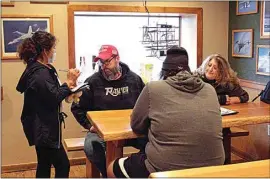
x=105, y=52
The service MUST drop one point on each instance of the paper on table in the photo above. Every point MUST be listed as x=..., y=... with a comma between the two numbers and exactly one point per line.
x=225, y=111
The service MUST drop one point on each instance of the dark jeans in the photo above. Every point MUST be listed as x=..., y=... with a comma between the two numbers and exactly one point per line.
x=49, y=156
x=95, y=147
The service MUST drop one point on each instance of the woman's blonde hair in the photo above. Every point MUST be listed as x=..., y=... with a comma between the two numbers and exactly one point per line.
x=225, y=72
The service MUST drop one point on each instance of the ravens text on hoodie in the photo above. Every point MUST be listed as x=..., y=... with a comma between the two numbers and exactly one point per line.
x=108, y=95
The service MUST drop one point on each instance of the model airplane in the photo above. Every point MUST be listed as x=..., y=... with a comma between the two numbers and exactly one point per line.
x=22, y=35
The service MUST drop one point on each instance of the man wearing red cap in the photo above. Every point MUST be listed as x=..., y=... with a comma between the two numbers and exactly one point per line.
x=108, y=59
x=114, y=87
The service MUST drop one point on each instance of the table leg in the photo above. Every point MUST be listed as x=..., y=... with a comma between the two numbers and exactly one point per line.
x=227, y=145
x=113, y=151
x=91, y=170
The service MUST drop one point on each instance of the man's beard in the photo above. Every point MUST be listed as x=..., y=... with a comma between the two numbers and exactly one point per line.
x=112, y=74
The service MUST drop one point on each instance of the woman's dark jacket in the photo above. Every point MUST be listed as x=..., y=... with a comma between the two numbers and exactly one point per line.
x=232, y=90
x=42, y=99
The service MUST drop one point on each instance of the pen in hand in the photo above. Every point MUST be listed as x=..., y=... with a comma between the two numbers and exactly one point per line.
x=63, y=70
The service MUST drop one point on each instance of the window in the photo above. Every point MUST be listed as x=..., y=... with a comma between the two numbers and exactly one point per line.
x=90, y=26
x=125, y=31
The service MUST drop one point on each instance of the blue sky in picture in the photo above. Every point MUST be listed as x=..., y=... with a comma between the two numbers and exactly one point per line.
x=264, y=52
x=15, y=31
x=264, y=60
x=246, y=6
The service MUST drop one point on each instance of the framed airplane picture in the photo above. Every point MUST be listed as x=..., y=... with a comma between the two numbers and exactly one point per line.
x=246, y=7
x=263, y=60
x=16, y=28
x=242, y=43
x=265, y=20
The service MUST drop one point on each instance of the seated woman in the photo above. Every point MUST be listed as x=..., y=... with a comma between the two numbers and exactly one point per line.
x=216, y=71
x=184, y=130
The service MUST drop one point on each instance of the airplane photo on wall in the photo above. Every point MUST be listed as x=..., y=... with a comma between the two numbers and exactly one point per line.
x=265, y=20
x=242, y=43
x=263, y=60
x=246, y=7
x=17, y=28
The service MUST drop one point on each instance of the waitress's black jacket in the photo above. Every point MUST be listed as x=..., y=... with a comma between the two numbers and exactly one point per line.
x=42, y=99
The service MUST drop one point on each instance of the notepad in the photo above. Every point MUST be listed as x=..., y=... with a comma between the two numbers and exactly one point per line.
x=225, y=111
x=80, y=88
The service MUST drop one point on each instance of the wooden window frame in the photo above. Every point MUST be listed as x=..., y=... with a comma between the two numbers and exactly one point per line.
x=7, y=4
x=48, y=2
x=140, y=9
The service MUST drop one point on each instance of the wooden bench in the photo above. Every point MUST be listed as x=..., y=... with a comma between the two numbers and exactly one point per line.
x=238, y=132
x=77, y=144
x=247, y=169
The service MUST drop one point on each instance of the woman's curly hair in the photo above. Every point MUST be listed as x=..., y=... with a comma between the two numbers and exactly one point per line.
x=225, y=72
x=31, y=48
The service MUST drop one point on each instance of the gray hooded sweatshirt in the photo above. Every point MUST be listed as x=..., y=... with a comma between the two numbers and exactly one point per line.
x=181, y=117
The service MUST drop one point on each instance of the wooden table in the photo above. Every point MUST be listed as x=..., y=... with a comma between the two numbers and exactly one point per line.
x=249, y=113
x=114, y=126
x=247, y=169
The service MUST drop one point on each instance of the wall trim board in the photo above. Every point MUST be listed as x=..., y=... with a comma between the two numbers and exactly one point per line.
x=2, y=93
x=82, y=161
x=252, y=84
x=153, y=9
x=33, y=165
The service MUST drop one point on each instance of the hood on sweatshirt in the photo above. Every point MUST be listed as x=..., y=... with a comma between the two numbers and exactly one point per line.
x=26, y=79
x=186, y=82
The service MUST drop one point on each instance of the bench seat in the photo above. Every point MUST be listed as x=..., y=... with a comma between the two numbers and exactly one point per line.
x=238, y=132
x=77, y=144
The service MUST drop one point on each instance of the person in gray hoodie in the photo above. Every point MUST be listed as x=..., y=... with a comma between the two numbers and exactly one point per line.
x=181, y=117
